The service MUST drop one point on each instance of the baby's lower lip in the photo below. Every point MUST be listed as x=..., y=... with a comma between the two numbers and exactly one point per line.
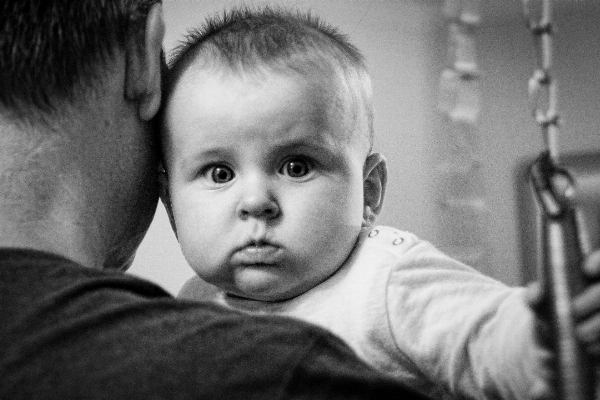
x=261, y=254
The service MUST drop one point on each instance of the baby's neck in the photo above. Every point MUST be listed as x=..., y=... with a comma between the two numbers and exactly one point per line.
x=251, y=305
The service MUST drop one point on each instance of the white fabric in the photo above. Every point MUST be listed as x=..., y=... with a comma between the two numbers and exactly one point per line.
x=414, y=313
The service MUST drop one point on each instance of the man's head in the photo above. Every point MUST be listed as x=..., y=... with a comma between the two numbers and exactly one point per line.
x=266, y=147
x=54, y=52
x=80, y=82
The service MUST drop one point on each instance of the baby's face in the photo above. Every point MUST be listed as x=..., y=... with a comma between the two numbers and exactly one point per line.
x=266, y=201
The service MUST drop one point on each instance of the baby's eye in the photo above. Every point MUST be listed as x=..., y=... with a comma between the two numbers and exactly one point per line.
x=220, y=173
x=296, y=168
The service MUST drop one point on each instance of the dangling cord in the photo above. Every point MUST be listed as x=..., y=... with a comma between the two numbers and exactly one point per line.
x=543, y=91
x=561, y=244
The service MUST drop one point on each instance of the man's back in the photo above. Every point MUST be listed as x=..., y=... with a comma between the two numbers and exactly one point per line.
x=73, y=332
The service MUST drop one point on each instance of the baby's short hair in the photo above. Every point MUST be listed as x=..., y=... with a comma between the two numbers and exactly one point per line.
x=247, y=40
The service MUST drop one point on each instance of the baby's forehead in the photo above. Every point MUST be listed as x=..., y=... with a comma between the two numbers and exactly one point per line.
x=329, y=92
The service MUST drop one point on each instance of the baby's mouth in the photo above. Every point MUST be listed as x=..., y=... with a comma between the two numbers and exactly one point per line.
x=257, y=253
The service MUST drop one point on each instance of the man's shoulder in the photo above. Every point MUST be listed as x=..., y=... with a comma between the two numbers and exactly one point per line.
x=74, y=331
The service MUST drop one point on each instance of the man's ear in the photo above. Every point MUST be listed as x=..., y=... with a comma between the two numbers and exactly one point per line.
x=375, y=180
x=165, y=197
x=143, y=75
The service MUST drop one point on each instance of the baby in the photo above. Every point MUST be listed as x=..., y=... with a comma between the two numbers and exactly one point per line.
x=273, y=190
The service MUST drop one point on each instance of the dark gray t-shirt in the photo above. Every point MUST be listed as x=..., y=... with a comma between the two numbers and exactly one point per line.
x=68, y=332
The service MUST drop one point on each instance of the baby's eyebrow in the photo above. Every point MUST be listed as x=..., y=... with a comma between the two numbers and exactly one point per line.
x=306, y=145
x=190, y=160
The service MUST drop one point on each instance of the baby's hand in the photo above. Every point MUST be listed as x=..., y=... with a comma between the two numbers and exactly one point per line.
x=542, y=388
x=586, y=312
x=586, y=308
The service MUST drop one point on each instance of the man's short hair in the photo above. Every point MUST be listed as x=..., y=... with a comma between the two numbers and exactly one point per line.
x=51, y=50
x=246, y=40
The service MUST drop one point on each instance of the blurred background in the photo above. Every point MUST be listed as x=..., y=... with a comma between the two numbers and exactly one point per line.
x=456, y=148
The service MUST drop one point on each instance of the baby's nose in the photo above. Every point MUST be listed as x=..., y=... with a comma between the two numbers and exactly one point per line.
x=258, y=203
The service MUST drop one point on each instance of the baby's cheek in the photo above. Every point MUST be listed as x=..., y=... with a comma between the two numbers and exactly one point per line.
x=197, y=246
x=333, y=239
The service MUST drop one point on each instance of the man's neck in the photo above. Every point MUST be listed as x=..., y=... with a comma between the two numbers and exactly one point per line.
x=49, y=240
x=42, y=203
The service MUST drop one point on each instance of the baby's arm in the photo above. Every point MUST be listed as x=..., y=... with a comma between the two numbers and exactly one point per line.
x=467, y=332
x=586, y=311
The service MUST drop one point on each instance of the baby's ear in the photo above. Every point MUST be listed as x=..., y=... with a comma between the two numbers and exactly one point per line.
x=165, y=197
x=375, y=180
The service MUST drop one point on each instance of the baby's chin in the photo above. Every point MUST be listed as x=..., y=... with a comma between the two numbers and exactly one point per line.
x=263, y=283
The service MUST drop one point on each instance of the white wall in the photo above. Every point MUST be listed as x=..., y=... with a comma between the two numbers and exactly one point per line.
x=508, y=130
x=404, y=43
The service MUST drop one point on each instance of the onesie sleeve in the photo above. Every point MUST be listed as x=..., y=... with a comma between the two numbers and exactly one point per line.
x=468, y=333
x=197, y=289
